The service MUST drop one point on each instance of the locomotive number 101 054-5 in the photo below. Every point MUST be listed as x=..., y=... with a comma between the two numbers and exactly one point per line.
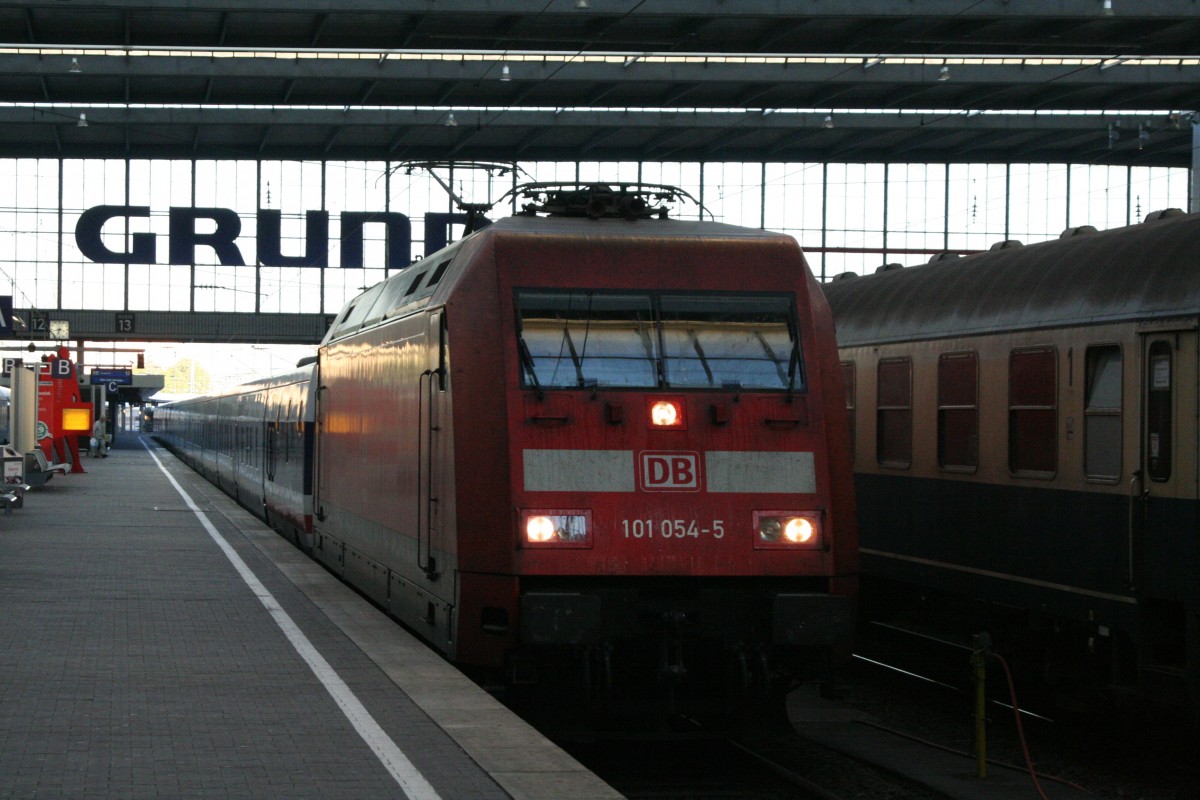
x=672, y=528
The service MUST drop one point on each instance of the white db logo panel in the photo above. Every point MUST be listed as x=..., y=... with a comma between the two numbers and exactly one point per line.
x=666, y=471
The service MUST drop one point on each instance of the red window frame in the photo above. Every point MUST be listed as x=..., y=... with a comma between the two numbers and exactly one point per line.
x=958, y=412
x=893, y=413
x=1033, y=412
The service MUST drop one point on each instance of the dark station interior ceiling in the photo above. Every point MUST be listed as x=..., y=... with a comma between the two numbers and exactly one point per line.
x=1078, y=81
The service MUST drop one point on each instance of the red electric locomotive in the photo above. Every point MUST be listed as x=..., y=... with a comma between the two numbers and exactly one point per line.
x=592, y=446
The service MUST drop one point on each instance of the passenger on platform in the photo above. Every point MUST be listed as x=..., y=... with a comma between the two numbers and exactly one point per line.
x=99, y=439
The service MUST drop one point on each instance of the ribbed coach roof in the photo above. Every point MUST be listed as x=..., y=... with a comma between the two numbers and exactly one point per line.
x=1148, y=270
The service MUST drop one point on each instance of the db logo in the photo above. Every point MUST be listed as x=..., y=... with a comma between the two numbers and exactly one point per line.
x=670, y=472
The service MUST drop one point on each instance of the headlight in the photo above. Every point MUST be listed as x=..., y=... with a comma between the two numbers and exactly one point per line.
x=788, y=529
x=556, y=528
x=540, y=529
x=799, y=530
x=666, y=412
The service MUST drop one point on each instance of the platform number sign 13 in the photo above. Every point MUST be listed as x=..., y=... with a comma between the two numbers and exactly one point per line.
x=125, y=323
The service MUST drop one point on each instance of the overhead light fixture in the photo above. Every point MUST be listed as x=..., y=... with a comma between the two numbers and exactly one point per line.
x=82, y=121
x=630, y=61
x=1143, y=136
x=451, y=122
x=944, y=73
x=1106, y=8
x=1114, y=135
x=827, y=122
x=505, y=74
x=74, y=65
x=583, y=4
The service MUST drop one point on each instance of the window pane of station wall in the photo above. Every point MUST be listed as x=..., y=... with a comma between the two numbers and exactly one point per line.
x=847, y=217
x=1043, y=213
x=1156, y=189
x=977, y=208
x=685, y=176
x=29, y=230
x=794, y=200
x=915, y=228
x=854, y=218
x=732, y=192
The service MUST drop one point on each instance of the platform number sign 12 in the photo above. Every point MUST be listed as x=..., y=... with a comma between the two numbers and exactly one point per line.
x=39, y=322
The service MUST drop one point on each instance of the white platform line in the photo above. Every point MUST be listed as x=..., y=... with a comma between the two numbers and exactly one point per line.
x=411, y=781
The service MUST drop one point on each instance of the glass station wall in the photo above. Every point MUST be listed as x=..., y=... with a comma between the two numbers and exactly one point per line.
x=848, y=217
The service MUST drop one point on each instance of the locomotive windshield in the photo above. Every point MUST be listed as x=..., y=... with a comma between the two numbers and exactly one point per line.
x=662, y=340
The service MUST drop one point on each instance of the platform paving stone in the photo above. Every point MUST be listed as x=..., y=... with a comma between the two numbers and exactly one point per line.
x=135, y=662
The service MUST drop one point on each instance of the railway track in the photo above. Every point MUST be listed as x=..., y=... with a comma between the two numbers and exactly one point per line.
x=930, y=710
x=775, y=765
x=926, y=693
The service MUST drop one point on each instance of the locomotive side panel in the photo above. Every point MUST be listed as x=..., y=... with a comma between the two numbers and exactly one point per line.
x=373, y=459
x=486, y=611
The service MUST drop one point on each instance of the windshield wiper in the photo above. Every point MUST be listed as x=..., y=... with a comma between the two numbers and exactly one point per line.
x=527, y=362
x=793, y=369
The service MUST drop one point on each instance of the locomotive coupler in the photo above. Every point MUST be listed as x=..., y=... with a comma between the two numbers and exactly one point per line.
x=670, y=664
x=598, y=672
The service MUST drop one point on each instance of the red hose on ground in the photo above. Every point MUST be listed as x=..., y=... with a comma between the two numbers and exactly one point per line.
x=1012, y=693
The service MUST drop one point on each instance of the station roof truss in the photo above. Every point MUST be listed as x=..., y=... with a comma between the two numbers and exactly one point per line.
x=1075, y=81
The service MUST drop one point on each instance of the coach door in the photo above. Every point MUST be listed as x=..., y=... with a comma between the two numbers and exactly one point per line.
x=1164, y=515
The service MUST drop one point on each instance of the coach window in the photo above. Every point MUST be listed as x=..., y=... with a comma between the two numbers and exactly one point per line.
x=850, y=389
x=1033, y=412
x=1102, y=414
x=1158, y=412
x=958, y=412
x=893, y=433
